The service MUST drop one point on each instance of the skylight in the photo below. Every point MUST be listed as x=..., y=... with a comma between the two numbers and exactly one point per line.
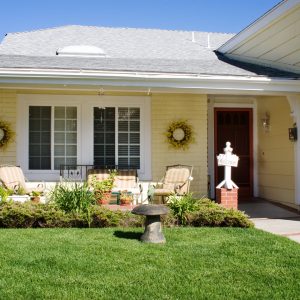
x=81, y=50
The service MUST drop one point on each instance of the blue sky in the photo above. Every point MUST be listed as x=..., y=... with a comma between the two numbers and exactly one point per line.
x=202, y=15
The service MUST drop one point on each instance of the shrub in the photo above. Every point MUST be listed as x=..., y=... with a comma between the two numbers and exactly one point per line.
x=104, y=217
x=28, y=214
x=186, y=210
x=16, y=215
x=169, y=220
x=72, y=197
x=31, y=215
x=212, y=214
x=181, y=206
x=3, y=193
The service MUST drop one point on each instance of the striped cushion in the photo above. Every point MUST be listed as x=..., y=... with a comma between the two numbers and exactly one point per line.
x=177, y=179
x=126, y=179
x=163, y=192
x=177, y=175
x=12, y=177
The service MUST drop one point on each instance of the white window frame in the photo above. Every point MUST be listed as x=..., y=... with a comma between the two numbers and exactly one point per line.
x=85, y=129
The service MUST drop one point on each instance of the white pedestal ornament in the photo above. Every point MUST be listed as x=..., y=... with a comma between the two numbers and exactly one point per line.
x=227, y=190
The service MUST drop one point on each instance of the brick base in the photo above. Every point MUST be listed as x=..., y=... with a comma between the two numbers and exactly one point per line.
x=227, y=198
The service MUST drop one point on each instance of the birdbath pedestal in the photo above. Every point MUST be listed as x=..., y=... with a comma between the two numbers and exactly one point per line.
x=153, y=229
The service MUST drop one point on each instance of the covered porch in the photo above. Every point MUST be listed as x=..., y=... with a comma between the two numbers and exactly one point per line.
x=272, y=169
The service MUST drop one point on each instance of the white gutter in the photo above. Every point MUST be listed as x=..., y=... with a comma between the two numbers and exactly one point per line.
x=278, y=11
x=146, y=80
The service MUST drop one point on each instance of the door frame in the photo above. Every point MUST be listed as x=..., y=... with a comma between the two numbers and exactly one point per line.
x=226, y=103
x=235, y=109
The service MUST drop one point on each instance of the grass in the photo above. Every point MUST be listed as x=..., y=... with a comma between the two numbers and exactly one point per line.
x=195, y=263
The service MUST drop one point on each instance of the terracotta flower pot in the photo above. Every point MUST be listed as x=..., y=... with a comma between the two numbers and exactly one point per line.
x=35, y=199
x=125, y=201
x=104, y=198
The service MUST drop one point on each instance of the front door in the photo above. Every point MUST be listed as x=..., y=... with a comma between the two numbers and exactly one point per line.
x=235, y=126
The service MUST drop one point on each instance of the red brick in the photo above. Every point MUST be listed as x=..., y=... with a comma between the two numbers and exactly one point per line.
x=227, y=198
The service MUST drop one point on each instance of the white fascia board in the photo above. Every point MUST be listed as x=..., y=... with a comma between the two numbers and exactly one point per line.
x=279, y=10
x=148, y=80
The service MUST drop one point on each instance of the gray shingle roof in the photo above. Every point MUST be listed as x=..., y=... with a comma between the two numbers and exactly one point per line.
x=191, y=66
x=116, y=42
x=127, y=49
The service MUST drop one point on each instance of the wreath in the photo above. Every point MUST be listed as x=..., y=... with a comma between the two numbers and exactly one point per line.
x=180, y=134
x=6, y=134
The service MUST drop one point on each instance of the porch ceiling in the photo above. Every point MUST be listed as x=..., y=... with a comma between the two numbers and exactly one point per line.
x=272, y=40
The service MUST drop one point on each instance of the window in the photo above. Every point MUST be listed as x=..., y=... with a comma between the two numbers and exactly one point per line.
x=55, y=130
x=117, y=137
x=39, y=137
x=129, y=137
x=62, y=143
x=104, y=136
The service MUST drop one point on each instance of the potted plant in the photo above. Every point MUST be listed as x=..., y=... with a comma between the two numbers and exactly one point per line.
x=103, y=188
x=35, y=196
x=126, y=198
x=18, y=194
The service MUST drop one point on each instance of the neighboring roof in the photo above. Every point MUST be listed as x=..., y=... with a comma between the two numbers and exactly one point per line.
x=272, y=40
x=127, y=49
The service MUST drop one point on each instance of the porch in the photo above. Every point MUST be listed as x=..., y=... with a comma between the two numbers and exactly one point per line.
x=73, y=136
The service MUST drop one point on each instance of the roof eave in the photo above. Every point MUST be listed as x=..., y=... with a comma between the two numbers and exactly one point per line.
x=191, y=82
x=274, y=13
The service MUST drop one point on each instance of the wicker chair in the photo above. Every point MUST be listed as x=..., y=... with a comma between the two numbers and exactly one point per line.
x=176, y=181
x=13, y=178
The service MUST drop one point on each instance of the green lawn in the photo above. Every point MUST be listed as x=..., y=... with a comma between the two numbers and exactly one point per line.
x=196, y=263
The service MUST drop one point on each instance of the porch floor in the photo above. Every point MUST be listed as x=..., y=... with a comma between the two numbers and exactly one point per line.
x=273, y=218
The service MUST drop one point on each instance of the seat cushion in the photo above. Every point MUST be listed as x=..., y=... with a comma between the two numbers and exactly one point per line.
x=12, y=177
x=163, y=192
x=126, y=179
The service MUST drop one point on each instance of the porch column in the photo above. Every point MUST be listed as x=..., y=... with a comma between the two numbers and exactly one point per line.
x=294, y=101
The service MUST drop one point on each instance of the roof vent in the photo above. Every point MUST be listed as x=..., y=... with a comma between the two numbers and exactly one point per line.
x=81, y=50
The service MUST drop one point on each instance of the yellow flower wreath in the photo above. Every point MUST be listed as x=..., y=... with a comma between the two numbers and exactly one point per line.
x=6, y=134
x=180, y=134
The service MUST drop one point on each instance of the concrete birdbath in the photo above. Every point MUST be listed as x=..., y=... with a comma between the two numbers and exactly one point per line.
x=153, y=229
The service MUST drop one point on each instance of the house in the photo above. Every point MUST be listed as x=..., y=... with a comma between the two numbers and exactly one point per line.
x=103, y=96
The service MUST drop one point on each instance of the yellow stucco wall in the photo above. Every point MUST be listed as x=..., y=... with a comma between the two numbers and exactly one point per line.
x=8, y=113
x=276, y=175
x=170, y=107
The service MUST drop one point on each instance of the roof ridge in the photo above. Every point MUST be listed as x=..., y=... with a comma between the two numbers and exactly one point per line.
x=110, y=27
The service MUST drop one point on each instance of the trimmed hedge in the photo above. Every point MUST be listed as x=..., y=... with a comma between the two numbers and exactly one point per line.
x=212, y=214
x=30, y=215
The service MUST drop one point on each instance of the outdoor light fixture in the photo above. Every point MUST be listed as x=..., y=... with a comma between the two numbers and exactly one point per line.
x=266, y=122
x=101, y=92
x=293, y=135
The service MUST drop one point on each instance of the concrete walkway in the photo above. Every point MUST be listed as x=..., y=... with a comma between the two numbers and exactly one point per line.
x=273, y=218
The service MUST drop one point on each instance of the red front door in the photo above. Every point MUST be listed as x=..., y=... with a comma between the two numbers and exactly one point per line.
x=235, y=126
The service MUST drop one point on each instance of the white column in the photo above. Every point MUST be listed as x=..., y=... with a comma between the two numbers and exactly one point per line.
x=294, y=101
